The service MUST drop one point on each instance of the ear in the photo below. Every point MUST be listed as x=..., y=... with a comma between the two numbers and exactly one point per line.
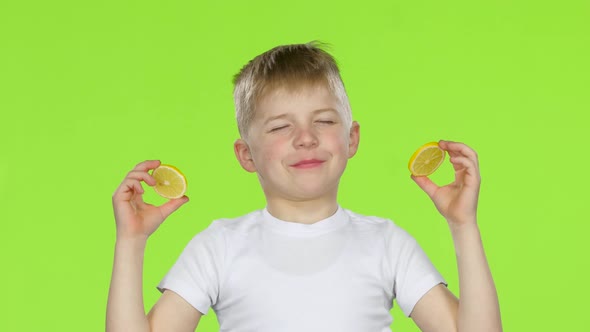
x=353, y=139
x=242, y=151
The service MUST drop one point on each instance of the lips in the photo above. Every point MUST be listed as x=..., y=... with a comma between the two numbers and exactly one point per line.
x=307, y=163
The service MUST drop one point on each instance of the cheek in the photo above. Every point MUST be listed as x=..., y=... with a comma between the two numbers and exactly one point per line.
x=272, y=150
x=339, y=141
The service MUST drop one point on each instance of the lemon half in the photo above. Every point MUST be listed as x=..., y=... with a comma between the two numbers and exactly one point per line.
x=426, y=159
x=170, y=182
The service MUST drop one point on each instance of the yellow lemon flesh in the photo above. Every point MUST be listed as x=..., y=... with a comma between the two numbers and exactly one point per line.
x=170, y=182
x=426, y=159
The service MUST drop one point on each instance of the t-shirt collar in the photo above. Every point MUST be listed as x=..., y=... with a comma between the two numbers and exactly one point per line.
x=335, y=221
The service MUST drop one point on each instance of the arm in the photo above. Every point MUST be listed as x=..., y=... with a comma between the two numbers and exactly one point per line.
x=125, y=307
x=136, y=221
x=477, y=308
x=173, y=313
x=478, y=304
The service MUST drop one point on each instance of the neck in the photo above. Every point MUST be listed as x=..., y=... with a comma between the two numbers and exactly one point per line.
x=303, y=212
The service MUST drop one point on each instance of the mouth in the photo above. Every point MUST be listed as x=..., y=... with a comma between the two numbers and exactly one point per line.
x=308, y=163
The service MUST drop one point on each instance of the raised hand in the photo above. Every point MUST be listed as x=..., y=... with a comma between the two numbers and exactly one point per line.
x=457, y=201
x=134, y=217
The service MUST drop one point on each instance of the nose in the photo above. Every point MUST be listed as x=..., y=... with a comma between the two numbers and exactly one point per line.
x=305, y=138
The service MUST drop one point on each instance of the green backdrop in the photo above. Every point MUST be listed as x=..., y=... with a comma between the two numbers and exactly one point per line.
x=90, y=88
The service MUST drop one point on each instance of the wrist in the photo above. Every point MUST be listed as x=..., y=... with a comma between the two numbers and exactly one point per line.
x=466, y=236
x=131, y=241
x=463, y=222
x=464, y=226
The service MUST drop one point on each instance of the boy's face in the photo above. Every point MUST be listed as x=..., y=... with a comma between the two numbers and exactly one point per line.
x=298, y=144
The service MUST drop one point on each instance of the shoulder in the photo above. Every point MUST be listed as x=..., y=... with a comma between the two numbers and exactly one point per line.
x=366, y=221
x=393, y=239
x=385, y=226
x=220, y=234
x=223, y=227
x=243, y=223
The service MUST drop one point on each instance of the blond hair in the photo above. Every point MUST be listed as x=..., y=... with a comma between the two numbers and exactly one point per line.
x=291, y=67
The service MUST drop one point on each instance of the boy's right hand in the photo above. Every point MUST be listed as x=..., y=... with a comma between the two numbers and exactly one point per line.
x=134, y=217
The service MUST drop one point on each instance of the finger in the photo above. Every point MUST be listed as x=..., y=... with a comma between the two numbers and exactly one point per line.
x=469, y=166
x=147, y=165
x=426, y=185
x=172, y=205
x=138, y=199
x=142, y=175
x=126, y=190
x=456, y=149
x=461, y=162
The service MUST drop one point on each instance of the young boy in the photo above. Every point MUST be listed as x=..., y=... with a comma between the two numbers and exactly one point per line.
x=303, y=263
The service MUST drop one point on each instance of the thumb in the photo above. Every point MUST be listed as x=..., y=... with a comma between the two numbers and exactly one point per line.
x=425, y=184
x=172, y=205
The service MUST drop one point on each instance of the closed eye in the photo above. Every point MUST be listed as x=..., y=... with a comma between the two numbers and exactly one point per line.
x=278, y=128
x=326, y=121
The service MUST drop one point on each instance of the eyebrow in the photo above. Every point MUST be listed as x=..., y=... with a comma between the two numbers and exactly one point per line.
x=285, y=115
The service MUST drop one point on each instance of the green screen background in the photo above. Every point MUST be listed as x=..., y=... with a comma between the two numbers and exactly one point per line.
x=89, y=89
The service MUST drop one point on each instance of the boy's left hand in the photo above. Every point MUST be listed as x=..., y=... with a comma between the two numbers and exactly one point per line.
x=457, y=201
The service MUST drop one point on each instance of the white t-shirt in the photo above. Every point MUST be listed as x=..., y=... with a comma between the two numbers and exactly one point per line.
x=259, y=273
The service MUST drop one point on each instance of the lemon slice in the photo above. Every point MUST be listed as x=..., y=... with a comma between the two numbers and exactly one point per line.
x=426, y=159
x=170, y=182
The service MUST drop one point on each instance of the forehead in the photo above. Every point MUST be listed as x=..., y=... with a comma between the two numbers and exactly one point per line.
x=298, y=100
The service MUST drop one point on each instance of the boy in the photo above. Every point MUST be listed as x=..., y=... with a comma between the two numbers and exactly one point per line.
x=303, y=263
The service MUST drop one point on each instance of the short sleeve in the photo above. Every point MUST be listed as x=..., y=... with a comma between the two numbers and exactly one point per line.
x=414, y=273
x=196, y=275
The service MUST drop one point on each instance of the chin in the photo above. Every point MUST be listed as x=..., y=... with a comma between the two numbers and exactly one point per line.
x=307, y=194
